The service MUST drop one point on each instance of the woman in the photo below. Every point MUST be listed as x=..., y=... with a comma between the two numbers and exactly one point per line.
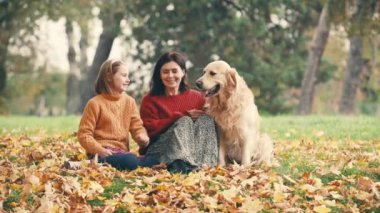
x=182, y=136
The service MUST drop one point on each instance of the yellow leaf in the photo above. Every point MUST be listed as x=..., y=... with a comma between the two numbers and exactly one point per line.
x=289, y=179
x=81, y=156
x=354, y=209
x=34, y=180
x=191, y=180
x=128, y=198
x=278, y=197
x=149, y=180
x=253, y=206
x=336, y=195
x=318, y=198
x=111, y=203
x=322, y=209
x=25, y=143
x=162, y=187
x=210, y=202
x=230, y=193
x=308, y=188
x=101, y=197
x=250, y=182
x=15, y=186
x=330, y=202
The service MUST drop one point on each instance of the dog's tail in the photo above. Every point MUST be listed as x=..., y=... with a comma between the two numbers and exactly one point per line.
x=265, y=150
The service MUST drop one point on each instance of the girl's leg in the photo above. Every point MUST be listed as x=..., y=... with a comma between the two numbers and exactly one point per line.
x=126, y=161
x=148, y=161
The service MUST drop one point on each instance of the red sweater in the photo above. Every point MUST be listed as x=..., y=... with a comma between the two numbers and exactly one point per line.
x=159, y=112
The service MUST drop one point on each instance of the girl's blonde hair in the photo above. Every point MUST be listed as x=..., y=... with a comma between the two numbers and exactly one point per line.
x=107, y=70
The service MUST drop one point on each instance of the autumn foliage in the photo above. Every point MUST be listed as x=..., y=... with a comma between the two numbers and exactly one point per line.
x=310, y=176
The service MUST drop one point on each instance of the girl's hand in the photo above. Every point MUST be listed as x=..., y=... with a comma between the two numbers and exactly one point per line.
x=104, y=153
x=195, y=113
x=142, y=139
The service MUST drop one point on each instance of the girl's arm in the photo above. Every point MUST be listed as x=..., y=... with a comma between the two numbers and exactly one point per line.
x=137, y=130
x=86, y=131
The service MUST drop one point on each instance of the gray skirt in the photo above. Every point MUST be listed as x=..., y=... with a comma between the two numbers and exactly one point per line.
x=194, y=142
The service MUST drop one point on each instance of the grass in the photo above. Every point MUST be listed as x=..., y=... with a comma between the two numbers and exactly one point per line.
x=290, y=127
x=33, y=124
x=284, y=127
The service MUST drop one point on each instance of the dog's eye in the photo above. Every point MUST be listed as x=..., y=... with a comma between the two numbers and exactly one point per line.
x=212, y=73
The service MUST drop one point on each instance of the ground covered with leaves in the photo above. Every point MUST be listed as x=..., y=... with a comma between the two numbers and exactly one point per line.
x=311, y=176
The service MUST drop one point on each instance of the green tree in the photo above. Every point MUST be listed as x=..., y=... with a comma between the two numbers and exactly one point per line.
x=18, y=25
x=76, y=13
x=263, y=40
x=111, y=14
x=364, y=23
x=310, y=77
x=17, y=20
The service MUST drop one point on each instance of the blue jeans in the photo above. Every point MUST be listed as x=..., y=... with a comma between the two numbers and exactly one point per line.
x=148, y=161
x=128, y=161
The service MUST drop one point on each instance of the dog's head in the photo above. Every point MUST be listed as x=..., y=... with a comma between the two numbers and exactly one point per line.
x=217, y=76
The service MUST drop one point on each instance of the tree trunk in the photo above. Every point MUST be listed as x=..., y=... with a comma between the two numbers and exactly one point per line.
x=111, y=28
x=351, y=79
x=83, y=46
x=73, y=80
x=315, y=54
x=3, y=75
x=4, y=40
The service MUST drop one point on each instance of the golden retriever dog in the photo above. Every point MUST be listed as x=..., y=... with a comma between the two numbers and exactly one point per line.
x=233, y=107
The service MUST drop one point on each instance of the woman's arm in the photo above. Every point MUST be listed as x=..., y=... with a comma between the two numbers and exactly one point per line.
x=152, y=121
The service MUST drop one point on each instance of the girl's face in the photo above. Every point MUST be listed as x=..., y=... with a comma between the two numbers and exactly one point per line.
x=120, y=80
x=171, y=75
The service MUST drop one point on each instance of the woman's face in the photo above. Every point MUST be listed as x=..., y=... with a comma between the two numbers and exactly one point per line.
x=171, y=75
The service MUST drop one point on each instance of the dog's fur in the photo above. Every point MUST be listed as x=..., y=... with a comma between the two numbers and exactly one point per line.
x=231, y=103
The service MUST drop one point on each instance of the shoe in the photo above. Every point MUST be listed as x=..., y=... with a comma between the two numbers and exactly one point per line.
x=74, y=164
x=180, y=166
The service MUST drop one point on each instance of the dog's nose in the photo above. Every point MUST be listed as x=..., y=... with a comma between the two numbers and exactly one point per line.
x=199, y=84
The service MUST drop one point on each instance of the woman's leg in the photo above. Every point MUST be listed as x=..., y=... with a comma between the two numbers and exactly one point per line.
x=206, y=141
x=176, y=143
x=126, y=161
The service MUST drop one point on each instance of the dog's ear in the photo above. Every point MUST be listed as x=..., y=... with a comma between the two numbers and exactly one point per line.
x=231, y=77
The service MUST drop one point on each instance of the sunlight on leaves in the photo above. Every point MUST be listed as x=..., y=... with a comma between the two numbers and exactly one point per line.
x=311, y=176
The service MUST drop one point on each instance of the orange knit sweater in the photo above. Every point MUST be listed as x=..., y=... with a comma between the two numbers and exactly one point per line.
x=107, y=121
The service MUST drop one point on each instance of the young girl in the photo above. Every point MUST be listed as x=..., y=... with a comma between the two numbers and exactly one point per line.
x=109, y=117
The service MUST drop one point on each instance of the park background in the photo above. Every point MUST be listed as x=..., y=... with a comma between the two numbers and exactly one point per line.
x=298, y=57
x=312, y=65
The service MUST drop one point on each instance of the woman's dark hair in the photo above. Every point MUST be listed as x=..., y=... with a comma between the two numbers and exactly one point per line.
x=157, y=88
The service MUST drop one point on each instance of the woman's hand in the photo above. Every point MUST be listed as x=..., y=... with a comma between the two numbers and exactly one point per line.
x=195, y=113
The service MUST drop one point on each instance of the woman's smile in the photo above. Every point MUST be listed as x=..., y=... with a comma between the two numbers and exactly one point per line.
x=171, y=75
